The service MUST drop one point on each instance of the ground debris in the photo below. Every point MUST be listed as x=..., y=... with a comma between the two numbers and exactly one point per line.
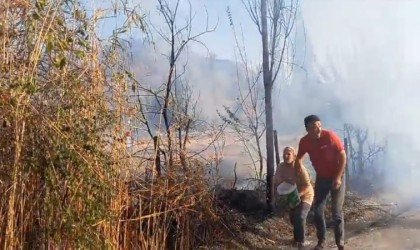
x=357, y=207
x=253, y=227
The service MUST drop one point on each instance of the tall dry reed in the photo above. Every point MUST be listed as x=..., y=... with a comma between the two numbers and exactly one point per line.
x=63, y=101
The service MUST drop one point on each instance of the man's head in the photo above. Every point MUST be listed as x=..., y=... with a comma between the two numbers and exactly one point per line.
x=289, y=155
x=313, y=126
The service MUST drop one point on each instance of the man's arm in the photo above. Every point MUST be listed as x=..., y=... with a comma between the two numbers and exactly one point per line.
x=299, y=157
x=306, y=181
x=298, y=162
x=341, y=164
x=341, y=160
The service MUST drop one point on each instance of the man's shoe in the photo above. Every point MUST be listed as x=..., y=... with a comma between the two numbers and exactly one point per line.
x=320, y=246
x=340, y=247
x=302, y=245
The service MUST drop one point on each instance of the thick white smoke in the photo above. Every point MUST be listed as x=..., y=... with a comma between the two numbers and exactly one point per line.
x=366, y=55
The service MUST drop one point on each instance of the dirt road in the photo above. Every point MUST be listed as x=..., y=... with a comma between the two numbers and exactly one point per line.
x=403, y=233
x=400, y=233
x=387, y=223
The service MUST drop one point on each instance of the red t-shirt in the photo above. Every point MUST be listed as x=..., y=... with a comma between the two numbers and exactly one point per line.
x=323, y=153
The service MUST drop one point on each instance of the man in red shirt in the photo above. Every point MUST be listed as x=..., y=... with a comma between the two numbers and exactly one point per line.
x=326, y=152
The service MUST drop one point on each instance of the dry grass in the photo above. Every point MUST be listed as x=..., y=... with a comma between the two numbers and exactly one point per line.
x=63, y=154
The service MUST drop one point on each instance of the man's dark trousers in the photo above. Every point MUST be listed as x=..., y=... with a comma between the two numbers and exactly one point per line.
x=323, y=187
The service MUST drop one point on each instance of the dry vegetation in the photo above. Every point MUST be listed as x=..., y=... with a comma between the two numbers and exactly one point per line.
x=63, y=153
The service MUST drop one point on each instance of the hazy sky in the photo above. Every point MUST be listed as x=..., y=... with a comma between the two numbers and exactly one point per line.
x=358, y=15
x=366, y=53
x=220, y=42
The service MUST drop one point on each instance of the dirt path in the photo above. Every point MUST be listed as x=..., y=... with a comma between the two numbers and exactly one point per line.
x=371, y=224
x=402, y=233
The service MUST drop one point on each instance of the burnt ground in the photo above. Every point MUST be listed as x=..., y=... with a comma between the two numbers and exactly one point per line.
x=252, y=227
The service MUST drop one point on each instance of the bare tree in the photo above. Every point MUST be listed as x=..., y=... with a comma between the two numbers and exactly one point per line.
x=361, y=159
x=373, y=152
x=361, y=137
x=173, y=101
x=248, y=122
x=351, y=153
x=275, y=21
x=185, y=117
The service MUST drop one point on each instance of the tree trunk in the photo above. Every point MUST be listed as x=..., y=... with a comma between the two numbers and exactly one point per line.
x=276, y=147
x=157, y=156
x=270, y=147
x=346, y=148
x=268, y=105
x=260, y=156
x=361, y=137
